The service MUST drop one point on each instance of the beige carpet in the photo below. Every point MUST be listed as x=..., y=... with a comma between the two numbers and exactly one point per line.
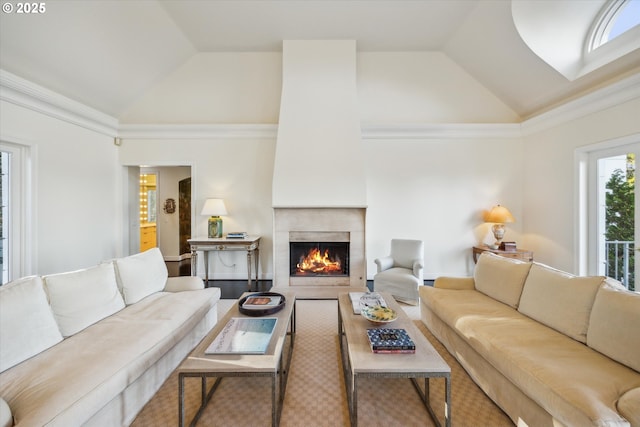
x=315, y=394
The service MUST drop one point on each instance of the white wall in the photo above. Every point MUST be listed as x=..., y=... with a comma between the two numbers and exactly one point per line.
x=76, y=187
x=423, y=87
x=236, y=170
x=434, y=190
x=549, y=207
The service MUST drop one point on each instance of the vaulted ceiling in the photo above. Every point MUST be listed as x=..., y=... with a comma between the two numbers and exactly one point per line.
x=108, y=53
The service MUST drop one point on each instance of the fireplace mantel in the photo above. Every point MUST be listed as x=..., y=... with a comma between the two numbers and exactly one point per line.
x=312, y=222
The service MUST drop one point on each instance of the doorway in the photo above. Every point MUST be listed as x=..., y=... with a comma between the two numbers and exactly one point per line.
x=165, y=208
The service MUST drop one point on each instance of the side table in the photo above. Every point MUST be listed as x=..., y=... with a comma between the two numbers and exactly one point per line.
x=521, y=254
x=250, y=244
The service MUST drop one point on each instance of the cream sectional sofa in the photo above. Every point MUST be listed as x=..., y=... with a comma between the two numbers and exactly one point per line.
x=548, y=347
x=91, y=347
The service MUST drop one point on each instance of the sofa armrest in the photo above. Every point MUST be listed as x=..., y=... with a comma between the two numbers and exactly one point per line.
x=6, y=419
x=418, y=265
x=183, y=283
x=384, y=263
x=629, y=406
x=458, y=283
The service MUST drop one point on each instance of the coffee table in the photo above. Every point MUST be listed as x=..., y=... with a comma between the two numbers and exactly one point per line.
x=359, y=361
x=274, y=363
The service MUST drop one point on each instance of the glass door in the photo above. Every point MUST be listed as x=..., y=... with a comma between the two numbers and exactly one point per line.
x=615, y=206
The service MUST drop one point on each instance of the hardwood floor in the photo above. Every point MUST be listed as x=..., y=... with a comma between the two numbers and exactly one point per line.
x=231, y=289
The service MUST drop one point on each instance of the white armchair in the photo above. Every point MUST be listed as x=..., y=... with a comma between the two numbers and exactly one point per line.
x=400, y=273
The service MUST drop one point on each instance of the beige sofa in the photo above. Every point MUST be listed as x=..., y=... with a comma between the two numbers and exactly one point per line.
x=91, y=347
x=548, y=347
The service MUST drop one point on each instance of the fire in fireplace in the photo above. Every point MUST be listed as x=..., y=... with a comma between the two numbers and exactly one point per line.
x=319, y=258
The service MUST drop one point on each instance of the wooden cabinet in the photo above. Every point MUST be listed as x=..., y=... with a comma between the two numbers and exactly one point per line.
x=147, y=237
x=521, y=254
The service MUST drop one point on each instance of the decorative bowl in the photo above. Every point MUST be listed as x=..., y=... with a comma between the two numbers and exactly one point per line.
x=379, y=315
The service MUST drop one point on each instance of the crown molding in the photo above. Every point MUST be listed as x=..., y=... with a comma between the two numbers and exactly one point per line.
x=599, y=100
x=24, y=93
x=186, y=131
x=270, y=131
x=416, y=132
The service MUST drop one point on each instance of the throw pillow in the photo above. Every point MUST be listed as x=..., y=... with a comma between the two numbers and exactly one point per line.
x=81, y=298
x=141, y=275
x=501, y=278
x=614, y=327
x=560, y=300
x=27, y=325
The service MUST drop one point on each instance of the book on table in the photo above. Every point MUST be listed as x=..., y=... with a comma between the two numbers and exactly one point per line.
x=244, y=336
x=261, y=301
x=388, y=340
x=237, y=235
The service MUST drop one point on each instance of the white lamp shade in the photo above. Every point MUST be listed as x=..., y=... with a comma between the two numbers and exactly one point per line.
x=214, y=207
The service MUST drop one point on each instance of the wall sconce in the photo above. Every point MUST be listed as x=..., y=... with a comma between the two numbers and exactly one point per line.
x=214, y=208
x=499, y=215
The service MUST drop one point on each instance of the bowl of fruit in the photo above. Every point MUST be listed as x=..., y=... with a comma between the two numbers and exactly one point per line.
x=378, y=314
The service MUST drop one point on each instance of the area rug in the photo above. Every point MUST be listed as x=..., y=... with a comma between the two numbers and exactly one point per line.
x=315, y=394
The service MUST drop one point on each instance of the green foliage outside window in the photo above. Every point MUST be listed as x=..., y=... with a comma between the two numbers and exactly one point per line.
x=619, y=217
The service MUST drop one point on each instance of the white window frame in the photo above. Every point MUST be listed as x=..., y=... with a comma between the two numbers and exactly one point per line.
x=20, y=218
x=586, y=243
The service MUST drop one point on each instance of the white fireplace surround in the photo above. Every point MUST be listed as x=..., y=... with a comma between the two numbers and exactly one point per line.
x=319, y=224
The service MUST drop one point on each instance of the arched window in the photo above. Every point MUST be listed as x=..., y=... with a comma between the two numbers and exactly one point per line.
x=616, y=18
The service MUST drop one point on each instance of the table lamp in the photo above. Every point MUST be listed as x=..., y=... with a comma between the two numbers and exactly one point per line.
x=499, y=215
x=214, y=208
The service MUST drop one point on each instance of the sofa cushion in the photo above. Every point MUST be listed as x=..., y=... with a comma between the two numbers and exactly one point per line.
x=141, y=275
x=501, y=278
x=566, y=378
x=81, y=298
x=614, y=326
x=27, y=325
x=74, y=380
x=559, y=300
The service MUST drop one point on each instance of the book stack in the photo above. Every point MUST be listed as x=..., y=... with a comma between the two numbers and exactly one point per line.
x=386, y=340
x=237, y=235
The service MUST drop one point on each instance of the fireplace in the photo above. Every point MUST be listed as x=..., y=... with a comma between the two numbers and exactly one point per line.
x=318, y=259
x=338, y=232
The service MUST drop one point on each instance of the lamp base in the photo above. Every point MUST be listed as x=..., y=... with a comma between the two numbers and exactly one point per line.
x=498, y=233
x=215, y=227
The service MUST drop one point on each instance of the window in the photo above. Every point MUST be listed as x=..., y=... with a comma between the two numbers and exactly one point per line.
x=615, y=19
x=14, y=217
x=5, y=256
x=609, y=211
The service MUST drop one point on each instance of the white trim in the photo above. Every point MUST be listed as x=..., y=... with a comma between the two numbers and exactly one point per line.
x=23, y=223
x=24, y=93
x=585, y=241
x=442, y=131
x=599, y=100
x=201, y=131
x=29, y=95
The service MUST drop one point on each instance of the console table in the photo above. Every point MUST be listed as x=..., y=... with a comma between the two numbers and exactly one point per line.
x=521, y=254
x=250, y=244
